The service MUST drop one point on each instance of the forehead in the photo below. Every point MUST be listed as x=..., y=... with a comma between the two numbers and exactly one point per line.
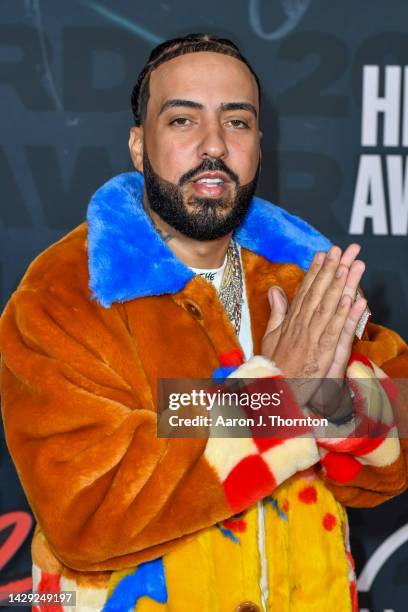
x=205, y=77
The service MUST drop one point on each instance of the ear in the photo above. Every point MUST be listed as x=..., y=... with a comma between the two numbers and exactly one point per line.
x=136, y=147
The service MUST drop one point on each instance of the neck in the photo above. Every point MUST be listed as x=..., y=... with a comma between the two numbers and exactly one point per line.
x=193, y=253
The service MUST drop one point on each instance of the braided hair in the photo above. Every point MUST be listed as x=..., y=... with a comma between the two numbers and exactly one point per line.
x=191, y=43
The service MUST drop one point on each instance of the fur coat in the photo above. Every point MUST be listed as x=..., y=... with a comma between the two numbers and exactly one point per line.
x=129, y=520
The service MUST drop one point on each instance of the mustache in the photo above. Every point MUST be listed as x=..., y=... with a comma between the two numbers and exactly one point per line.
x=209, y=165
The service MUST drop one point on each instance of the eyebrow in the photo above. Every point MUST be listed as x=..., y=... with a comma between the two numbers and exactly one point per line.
x=226, y=106
x=230, y=106
x=177, y=102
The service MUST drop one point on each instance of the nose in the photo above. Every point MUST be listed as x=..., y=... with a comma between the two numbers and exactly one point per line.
x=212, y=142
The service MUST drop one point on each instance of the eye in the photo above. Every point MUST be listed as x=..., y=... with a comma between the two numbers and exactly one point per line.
x=238, y=123
x=180, y=121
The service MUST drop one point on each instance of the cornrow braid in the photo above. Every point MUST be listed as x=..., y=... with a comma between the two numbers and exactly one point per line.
x=191, y=43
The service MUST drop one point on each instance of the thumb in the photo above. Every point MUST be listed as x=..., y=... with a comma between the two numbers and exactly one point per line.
x=279, y=306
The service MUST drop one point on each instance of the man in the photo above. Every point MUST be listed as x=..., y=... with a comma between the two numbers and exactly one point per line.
x=187, y=275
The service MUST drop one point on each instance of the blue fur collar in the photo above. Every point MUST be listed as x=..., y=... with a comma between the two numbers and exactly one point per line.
x=128, y=259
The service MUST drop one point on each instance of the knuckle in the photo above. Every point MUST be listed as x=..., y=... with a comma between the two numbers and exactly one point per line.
x=342, y=271
x=350, y=326
x=331, y=329
x=328, y=338
x=321, y=309
x=310, y=295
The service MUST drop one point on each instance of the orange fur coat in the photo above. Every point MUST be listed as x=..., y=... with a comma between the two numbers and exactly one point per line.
x=79, y=381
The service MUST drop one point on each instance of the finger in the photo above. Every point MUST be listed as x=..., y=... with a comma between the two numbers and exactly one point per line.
x=319, y=286
x=345, y=343
x=330, y=301
x=348, y=332
x=279, y=306
x=330, y=336
x=353, y=278
x=309, y=277
x=355, y=314
x=350, y=254
x=345, y=282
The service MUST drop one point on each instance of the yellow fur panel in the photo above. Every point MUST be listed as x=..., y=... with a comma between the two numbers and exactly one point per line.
x=308, y=570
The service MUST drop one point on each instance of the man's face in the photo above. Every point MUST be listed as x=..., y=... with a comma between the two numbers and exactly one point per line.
x=200, y=143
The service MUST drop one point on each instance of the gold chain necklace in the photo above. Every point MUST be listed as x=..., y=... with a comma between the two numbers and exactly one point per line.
x=230, y=292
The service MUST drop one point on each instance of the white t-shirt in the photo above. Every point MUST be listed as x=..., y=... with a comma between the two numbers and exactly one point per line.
x=214, y=276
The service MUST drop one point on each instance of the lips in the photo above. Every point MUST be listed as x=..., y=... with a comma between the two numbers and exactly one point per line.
x=210, y=184
x=212, y=177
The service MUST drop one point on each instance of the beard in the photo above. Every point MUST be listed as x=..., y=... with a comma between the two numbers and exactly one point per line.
x=195, y=217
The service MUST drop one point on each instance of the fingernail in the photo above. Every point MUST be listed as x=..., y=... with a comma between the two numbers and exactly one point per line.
x=333, y=253
x=360, y=264
x=319, y=258
x=344, y=300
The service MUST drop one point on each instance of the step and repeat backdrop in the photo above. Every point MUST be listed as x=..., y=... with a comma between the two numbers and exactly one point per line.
x=335, y=124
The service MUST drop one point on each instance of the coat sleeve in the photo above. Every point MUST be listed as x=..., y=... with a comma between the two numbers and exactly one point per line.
x=365, y=463
x=106, y=491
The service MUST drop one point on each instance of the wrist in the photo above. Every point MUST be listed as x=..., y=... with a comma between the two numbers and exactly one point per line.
x=334, y=401
x=346, y=411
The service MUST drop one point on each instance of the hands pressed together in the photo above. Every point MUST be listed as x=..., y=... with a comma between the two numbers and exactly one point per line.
x=312, y=339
